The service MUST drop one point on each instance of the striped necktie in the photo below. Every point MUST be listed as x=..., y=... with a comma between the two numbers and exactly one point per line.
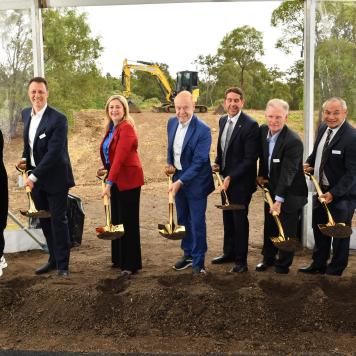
x=324, y=155
x=227, y=139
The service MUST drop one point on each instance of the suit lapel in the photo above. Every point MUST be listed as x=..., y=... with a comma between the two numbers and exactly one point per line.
x=42, y=126
x=239, y=124
x=279, y=142
x=338, y=135
x=190, y=131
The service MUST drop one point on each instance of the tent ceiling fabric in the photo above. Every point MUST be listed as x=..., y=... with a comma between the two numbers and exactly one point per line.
x=26, y=4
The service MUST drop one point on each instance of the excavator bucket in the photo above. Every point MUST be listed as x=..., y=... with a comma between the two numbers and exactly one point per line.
x=133, y=107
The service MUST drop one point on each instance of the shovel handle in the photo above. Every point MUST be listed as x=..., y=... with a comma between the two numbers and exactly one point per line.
x=170, y=194
x=221, y=186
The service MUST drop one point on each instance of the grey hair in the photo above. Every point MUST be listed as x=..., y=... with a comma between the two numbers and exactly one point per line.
x=335, y=98
x=278, y=102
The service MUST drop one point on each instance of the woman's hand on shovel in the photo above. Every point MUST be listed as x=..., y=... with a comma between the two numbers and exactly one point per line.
x=106, y=191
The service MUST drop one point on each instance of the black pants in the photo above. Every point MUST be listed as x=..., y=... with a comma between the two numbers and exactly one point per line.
x=236, y=232
x=125, y=209
x=342, y=212
x=2, y=242
x=290, y=222
x=55, y=228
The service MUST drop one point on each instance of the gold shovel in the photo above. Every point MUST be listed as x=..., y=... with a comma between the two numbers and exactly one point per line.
x=331, y=229
x=32, y=212
x=289, y=244
x=171, y=231
x=227, y=205
x=109, y=231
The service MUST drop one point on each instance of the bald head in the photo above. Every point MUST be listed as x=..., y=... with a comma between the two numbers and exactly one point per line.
x=184, y=106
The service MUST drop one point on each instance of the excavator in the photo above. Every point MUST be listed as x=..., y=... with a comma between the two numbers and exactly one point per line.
x=186, y=80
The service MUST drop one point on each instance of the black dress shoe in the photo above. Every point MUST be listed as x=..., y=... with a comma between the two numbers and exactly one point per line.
x=312, y=270
x=221, y=259
x=262, y=266
x=48, y=267
x=281, y=270
x=63, y=273
x=239, y=269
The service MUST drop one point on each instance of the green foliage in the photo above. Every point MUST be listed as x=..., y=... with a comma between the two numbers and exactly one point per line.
x=70, y=63
x=15, y=66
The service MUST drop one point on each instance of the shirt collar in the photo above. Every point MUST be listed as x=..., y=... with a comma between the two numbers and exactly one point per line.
x=185, y=124
x=273, y=138
x=234, y=118
x=40, y=113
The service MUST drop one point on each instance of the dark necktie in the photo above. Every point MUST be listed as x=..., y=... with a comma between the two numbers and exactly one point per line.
x=324, y=155
x=227, y=140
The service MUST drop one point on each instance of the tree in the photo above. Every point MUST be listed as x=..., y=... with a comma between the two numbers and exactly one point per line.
x=208, y=68
x=70, y=62
x=242, y=46
x=15, y=65
x=289, y=16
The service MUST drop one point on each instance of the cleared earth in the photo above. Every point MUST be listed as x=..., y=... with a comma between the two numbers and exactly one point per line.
x=160, y=310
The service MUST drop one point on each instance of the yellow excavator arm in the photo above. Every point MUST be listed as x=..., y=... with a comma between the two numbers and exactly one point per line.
x=147, y=67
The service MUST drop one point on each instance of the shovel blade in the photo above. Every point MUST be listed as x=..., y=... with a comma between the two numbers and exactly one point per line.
x=289, y=244
x=42, y=214
x=231, y=207
x=113, y=232
x=338, y=231
x=171, y=232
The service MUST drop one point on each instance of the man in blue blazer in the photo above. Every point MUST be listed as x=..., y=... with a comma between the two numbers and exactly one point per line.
x=237, y=153
x=333, y=161
x=189, y=141
x=46, y=155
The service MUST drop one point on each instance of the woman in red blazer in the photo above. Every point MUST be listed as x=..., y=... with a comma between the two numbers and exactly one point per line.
x=120, y=158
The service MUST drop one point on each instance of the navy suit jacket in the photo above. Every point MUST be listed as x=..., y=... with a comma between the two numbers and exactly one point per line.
x=286, y=176
x=241, y=157
x=3, y=188
x=196, y=172
x=340, y=166
x=50, y=151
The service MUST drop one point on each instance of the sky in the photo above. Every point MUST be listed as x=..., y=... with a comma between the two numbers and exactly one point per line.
x=176, y=34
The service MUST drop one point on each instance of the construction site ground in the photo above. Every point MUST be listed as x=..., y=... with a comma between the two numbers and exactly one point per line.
x=160, y=310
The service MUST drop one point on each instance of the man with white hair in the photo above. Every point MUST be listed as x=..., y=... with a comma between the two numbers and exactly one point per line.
x=281, y=170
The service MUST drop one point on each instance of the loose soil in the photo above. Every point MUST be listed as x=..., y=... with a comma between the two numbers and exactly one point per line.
x=160, y=310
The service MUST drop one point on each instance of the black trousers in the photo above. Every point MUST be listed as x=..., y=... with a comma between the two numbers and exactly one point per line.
x=236, y=232
x=55, y=228
x=125, y=209
x=342, y=212
x=2, y=242
x=290, y=222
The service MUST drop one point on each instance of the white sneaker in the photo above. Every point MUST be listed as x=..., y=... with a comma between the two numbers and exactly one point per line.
x=3, y=263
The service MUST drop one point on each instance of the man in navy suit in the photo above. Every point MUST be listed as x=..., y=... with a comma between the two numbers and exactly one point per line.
x=189, y=141
x=237, y=153
x=281, y=169
x=333, y=161
x=46, y=155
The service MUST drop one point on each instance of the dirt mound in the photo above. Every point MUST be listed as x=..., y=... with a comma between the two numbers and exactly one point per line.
x=160, y=310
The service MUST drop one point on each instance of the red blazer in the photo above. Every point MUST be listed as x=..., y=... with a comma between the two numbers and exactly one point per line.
x=126, y=168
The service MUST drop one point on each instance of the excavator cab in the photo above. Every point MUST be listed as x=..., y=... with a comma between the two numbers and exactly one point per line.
x=186, y=80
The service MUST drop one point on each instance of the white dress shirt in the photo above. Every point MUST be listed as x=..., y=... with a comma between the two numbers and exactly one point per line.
x=35, y=121
x=178, y=142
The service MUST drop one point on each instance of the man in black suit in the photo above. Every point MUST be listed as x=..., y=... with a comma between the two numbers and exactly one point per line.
x=237, y=153
x=281, y=170
x=333, y=161
x=46, y=155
